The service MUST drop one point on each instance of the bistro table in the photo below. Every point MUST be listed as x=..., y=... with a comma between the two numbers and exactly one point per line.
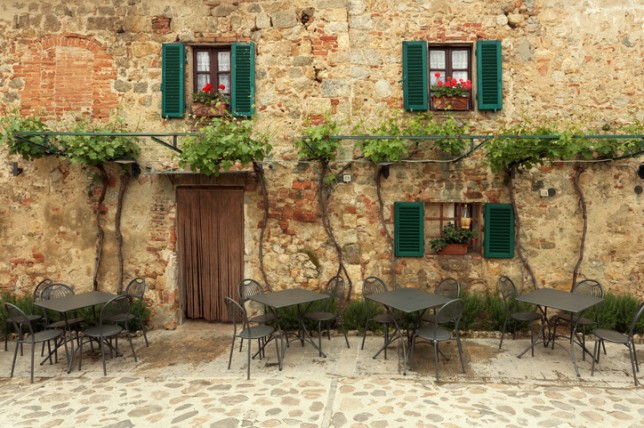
x=74, y=302
x=407, y=300
x=292, y=297
x=575, y=303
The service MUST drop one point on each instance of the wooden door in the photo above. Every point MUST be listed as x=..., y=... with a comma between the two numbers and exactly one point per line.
x=210, y=247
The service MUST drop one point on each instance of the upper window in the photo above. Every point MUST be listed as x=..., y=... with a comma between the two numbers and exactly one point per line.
x=423, y=66
x=232, y=66
x=212, y=65
x=449, y=63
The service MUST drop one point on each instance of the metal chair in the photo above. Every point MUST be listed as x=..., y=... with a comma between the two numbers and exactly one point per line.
x=602, y=335
x=135, y=291
x=245, y=289
x=263, y=333
x=333, y=311
x=434, y=333
x=508, y=294
x=448, y=287
x=108, y=329
x=590, y=317
x=27, y=334
x=33, y=316
x=374, y=285
x=55, y=291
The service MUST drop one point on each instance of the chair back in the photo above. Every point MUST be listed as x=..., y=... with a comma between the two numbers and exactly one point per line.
x=236, y=314
x=451, y=312
x=373, y=285
x=35, y=297
x=335, y=288
x=136, y=288
x=56, y=291
x=449, y=287
x=508, y=292
x=117, y=305
x=636, y=318
x=590, y=287
x=248, y=287
x=19, y=319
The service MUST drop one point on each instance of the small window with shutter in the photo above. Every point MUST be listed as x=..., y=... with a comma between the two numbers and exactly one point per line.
x=499, y=231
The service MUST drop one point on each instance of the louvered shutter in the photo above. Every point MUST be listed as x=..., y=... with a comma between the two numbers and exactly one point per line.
x=415, y=89
x=243, y=96
x=489, y=95
x=499, y=231
x=409, y=236
x=173, y=95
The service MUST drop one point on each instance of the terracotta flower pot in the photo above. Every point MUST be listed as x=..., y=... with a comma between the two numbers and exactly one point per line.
x=208, y=110
x=454, y=250
x=450, y=103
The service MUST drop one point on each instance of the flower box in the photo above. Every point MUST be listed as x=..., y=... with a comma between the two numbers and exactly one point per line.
x=209, y=110
x=451, y=103
x=454, y=250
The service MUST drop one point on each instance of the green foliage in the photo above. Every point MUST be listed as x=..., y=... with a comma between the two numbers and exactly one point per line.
x=94, y=150
x=14, y=122
x=522, y=154
x=385, y=150
x=316, y=144
x=223, y=141
x=452, y=235
x=618, y=311
x=473, y=306
x=446, y=125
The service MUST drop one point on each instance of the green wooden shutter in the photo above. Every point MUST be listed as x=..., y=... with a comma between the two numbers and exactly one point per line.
x=173, y=93
x=489, y=94
x=409, y=236
x=499, y=231
x=243, y=96
x=415, y=90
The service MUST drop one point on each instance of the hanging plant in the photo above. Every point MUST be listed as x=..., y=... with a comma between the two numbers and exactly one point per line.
x=316, y=144
x=28, y=148
x=223, y=142
x=384, y=149
x=446, y=125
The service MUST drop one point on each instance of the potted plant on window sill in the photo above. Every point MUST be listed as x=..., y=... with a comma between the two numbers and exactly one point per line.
x=453, y=241
x=210, y=102
x=452, y=94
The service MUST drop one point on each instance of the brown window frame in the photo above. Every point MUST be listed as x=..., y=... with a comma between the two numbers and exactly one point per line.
x=214, y=72
x=449, y=69
x=474, y=211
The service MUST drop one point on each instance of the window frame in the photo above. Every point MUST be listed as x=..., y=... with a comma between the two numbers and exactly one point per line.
x=474, y=209
x=449, y=69
x=214, y=72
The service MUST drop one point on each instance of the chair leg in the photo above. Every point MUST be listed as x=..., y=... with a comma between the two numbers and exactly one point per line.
x=364, y=335
x=532, y=337
x=15, y=354
x=631, y=351
x=129, y=337
x=436, y=358
x=33, y=357
x=346, y=339
x=230, y=357
x=320, y=338
x=505, y=323
x=102, y=346
x=595, y=356
x=386, y=338
x=637, y=364
x=248, y=359
x=460, y=352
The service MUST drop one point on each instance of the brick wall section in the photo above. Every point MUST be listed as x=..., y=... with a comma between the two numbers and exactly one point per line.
x=67, y=73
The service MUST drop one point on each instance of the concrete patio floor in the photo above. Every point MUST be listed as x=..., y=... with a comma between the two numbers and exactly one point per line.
x=182, y=380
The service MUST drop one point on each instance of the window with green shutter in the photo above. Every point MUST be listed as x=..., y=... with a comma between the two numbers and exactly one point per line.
x=409, y=236
x=415, y=89
x=243, y=95
x=489, y=79
x=499, y=231
x=173, y=95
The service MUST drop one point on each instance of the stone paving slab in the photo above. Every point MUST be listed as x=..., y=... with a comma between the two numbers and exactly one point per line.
x=166, y=388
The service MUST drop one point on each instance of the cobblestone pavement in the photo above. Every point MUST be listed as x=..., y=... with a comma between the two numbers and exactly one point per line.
x=182, y=380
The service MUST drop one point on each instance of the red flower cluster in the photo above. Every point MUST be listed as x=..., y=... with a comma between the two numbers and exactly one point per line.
x=451, y=87
x=209, y=95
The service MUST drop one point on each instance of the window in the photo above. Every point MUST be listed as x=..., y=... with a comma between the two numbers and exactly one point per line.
x=499, y=231
x=450, y=61
x=419, y=59
x=211, y=65
x=462, y=215
x=232, y=66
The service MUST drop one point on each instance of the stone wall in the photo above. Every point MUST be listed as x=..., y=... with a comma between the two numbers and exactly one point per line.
x=562, y=62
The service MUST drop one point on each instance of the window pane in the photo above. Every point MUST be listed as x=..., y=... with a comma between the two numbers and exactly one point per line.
x=223, y=61
x=224, y=79
x=460, y=75
x=433, y=79
x=202, y=80
x=437, y=59
x=459, y=59
x=203, y=61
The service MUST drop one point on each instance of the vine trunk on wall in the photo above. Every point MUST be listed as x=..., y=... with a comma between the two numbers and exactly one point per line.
x=100, y=234
x=579, y=169
x=384, y=170
x=259, y=172
x=517, y=226
x=125, y=180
